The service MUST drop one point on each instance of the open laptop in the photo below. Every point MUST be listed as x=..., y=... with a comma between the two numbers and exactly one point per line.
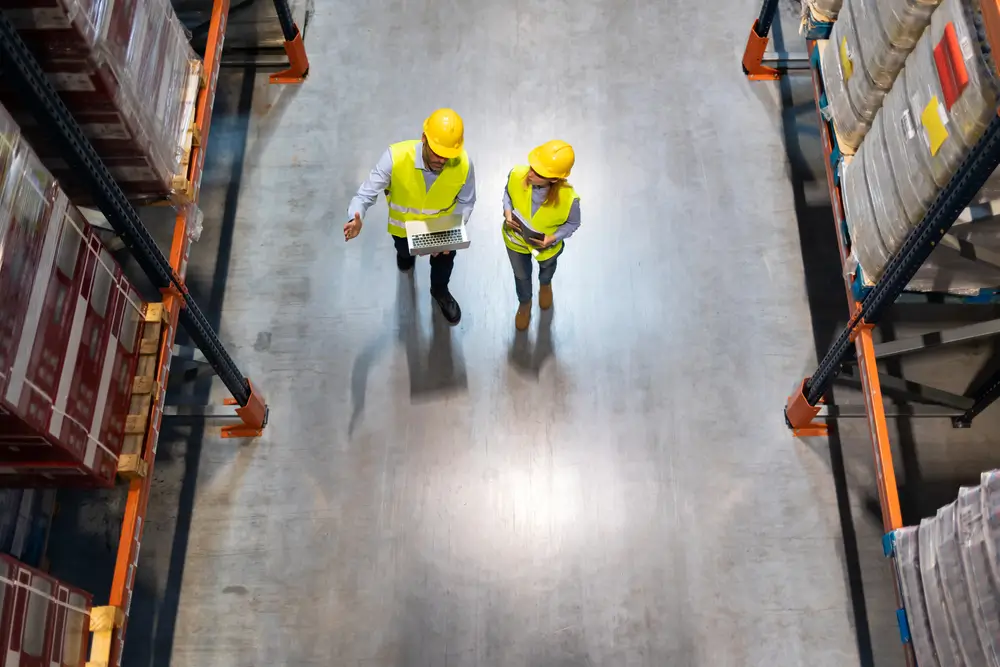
x=426, y=237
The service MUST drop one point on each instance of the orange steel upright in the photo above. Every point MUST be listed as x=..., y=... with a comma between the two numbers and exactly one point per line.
x=298, y=62
x=753, y=56
x=138, y=493
x=801, y=415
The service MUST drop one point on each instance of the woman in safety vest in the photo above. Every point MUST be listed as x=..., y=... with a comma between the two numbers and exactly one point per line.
x=541, y=210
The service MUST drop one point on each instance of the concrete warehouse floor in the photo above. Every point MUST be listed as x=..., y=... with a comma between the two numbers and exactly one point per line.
x=615, y=488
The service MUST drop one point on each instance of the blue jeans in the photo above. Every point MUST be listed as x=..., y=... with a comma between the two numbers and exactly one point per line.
x=521, y=263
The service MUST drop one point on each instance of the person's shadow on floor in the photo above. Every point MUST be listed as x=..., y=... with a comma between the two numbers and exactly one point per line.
x=438, y=371
x=528, y=359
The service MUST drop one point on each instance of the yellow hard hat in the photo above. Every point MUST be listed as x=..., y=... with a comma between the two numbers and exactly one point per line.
x=553, y=159
x=445, y=133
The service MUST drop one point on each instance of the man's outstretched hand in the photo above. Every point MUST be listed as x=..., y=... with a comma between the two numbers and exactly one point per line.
x=353, y=228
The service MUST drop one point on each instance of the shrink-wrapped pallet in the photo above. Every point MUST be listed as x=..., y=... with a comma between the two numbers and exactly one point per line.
x=893, y=225
x=882, y=60
x=45, y=621
x=907, y=152
x=866, y=244
x=124, y=70
x=826, y=8
x=944, y=148
x=945, y=639
x=904, y=21
x=69, y=333
x=865, y=96
x=991, y=515
x=983, y=591
x=959, y=54
x=908, y=566
x=957, y=596
x=838, y=66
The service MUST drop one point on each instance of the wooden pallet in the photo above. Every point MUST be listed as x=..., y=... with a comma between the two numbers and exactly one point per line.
x=181, y=188
x=103, y=623
x=145, y=389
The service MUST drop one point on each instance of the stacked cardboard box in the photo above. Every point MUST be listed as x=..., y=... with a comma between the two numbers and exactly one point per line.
x=124, y=70
x=69, y=330
x=949, y=573
x=44, y=621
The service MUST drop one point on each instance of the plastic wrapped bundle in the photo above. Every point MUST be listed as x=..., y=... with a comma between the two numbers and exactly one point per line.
x=975, y=560
x=125, y=70
x=866, y=243
x=827, y=8
x=865, y=96
x=945, y=640
x=991, y=515
x=849, y=126
x=972, y=104
x=903, y=21
x=893, y=224
x=956, y=589
x=906, y=147
x=883, y=60
x=908, y=565
x=943, y=147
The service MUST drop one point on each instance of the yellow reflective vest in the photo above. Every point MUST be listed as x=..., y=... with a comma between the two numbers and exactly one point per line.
x=408, y=196
x=545, y=221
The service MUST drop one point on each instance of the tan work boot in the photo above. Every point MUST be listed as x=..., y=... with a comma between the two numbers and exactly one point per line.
x=523, y=317
x=545, y=296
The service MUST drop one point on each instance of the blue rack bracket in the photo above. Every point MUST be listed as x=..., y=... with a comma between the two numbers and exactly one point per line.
x=889, y=544
x=904, y=626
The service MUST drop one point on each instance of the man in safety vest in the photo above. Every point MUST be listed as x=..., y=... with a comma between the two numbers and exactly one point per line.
x=422, y=179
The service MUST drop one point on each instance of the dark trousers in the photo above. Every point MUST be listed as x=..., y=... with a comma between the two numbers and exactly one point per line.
x=441, y=265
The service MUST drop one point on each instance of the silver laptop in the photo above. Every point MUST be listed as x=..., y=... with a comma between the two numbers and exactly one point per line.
x=426, y=237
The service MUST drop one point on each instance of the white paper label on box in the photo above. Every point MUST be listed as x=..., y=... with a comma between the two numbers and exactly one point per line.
x=75, y=82
x=106, y=131
x=943, y=113
x=966, y=45
x=907, y=121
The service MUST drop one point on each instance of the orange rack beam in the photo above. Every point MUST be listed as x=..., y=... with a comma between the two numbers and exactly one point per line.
x=878, y=430
x=138, y=492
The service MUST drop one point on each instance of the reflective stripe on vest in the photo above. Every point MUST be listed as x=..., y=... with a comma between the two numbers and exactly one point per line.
x=545, y=221
x=408, y=196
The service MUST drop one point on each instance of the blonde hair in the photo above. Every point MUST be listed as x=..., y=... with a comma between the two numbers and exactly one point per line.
x=552, y=198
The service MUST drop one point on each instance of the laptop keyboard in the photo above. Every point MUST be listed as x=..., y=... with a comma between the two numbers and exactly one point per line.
x=436, y=239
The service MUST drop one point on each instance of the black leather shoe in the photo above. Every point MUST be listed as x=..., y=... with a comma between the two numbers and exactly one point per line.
x=449, y=307
x=405, y=263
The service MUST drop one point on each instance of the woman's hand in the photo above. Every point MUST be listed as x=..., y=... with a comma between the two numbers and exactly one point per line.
x=353, y=228
x=549, y=240
x=511, y=222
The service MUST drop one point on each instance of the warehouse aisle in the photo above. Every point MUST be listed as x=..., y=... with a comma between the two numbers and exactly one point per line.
x=615, y=488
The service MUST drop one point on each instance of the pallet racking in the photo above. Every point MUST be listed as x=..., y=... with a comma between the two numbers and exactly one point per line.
x=806, y=412
x=166, y=273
